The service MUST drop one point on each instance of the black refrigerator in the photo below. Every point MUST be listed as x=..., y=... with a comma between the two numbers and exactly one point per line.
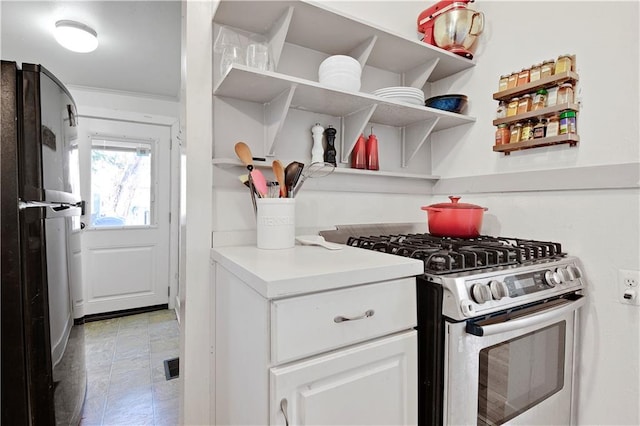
x=42, y=354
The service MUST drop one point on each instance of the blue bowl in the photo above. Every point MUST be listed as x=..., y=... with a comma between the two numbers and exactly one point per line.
x=452, y=103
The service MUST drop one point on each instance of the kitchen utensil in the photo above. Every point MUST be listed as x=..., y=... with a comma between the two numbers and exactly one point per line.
x=317, y=151
x=315, y=170
x=244, y=154
x=317, y=240
x=372, y=152
x=454, y=219
x=278, y=171
x=330, y=150
x=291, y=176
x=452, y=103
x=450, y=25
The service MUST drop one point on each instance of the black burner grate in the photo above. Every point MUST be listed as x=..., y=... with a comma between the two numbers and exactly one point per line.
x=445, y=255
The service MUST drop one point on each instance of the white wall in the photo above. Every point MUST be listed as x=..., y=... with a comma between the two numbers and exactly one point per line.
x=599, y=226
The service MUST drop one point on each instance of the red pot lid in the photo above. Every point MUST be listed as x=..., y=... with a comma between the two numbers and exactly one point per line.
x=454, y=204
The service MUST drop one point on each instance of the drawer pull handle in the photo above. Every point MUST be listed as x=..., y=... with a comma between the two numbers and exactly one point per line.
x=367, y=314
x=283, y=408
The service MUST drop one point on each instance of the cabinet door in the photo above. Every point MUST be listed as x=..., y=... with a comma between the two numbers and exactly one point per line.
x=368, y=384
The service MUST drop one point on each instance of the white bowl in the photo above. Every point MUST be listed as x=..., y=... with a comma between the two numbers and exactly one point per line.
x=340, y=62
x=342, y=82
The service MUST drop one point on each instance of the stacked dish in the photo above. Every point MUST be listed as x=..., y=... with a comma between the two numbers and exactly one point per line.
x=410, y=95
x=340, y=72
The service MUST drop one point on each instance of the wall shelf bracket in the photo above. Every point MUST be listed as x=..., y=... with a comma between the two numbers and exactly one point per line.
x=362, y=52
x=352, y=126
x=414, y=136
x=418, y=76
x=274, y=114
x=277, y=35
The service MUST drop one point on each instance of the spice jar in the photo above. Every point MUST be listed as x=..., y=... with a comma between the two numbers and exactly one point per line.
x=527, y=131
x=512, y=81
x=552, y=96
x=539, y=129
x=502, y=134
x=512, y=107
x=525, y=103
x=567, y=122
x=523, y=77
x=503, y=83
x=516, y=133
x=553, y=126
x=534, y=73
x=565, y=94
x=547, y=68
x=563, y=64
x=540, y=99
x=501, y=111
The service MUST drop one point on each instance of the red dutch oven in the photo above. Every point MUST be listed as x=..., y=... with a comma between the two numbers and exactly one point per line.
x=454, y=219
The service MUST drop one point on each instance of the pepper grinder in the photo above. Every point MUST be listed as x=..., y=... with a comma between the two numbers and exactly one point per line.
x=317, y=150
x=372, y=152
x=330, y=152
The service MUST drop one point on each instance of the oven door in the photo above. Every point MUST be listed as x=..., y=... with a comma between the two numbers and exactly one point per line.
x=515, y=368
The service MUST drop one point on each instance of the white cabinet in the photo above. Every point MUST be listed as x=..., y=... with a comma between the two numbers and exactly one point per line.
x=301, y=34
x=369, y=384
x=296, y=347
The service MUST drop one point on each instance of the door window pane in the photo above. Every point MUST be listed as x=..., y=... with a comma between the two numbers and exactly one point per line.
x=518, y=374
x=121, y=183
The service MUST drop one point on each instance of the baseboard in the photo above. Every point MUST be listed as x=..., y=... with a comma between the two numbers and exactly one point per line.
x=123, y=313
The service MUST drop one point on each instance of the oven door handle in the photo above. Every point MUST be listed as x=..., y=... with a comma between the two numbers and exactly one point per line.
x=530, y=320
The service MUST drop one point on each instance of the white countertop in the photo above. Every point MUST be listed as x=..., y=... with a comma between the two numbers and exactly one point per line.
x=306, y=269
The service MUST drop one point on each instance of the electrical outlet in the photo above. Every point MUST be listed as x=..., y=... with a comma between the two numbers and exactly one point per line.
x=629, y=287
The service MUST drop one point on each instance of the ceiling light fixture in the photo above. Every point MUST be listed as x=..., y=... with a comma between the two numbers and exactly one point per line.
x=76, y=36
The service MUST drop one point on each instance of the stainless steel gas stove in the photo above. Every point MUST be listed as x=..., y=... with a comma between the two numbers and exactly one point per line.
x=497, y=319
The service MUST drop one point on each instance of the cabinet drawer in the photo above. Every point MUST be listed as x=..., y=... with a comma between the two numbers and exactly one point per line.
x=307, y=325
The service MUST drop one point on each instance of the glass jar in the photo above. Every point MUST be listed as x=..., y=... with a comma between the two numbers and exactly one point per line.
x=515, y=133
x=525, y=103
x=503, y=83
x=539, y=130
x=547, y=68
x=527, y=131
x=553, y=126
x=565, y=94
x=552, y=96
x=502, y=134
x=512, y=107
x=540, y=99
x=567, y=122
x=563, y=64
x=523, y=77
x=512, y=81
x=501, y=111
x=534, y=74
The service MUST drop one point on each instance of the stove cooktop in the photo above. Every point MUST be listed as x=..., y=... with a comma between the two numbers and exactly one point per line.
x=445, y=255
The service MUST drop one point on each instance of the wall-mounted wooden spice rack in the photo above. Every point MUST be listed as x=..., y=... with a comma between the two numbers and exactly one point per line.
x=569, y=76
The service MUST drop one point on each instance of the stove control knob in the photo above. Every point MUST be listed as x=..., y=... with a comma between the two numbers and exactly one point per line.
x=563, y=275
x=551, y=278
x=498, y=289
x=481, y=293
x=574, y=272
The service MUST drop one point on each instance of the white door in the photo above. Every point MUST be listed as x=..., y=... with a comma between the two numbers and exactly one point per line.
x=370, y=384
x=126, y=175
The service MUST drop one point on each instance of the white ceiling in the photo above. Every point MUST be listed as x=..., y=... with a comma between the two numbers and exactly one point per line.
x=139, y=48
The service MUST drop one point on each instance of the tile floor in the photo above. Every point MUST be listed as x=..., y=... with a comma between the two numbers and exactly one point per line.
x=126, y=383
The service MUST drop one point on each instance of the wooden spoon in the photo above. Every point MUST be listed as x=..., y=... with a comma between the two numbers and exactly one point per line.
x=278, y=171
x=244, y=154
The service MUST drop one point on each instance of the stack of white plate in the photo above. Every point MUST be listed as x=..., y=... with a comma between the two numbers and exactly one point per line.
x=410, y=95
x=340, y=72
